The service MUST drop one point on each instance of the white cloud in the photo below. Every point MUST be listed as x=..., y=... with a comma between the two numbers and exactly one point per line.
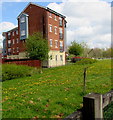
x=5, y=26
x=87, y=21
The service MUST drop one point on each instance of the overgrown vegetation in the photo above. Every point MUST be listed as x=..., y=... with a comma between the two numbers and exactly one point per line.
x=75, y=48
x=108, y=112
x=12, y=71
x=54, y=94
x=86, y=61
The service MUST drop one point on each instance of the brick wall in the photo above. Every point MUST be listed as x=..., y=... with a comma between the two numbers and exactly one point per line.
x=32, y=63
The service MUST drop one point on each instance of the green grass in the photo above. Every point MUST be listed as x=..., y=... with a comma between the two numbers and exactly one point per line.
x=108, y=112
x=55, y=93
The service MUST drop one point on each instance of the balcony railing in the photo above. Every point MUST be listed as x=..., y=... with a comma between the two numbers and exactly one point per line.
x=60, y=23
x=9, y=37
x=9, y=44
x=60, y=36
x=61, y=49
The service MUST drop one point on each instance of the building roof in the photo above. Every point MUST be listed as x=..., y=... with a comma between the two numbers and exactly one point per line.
x=10, y=30
x=46, y=8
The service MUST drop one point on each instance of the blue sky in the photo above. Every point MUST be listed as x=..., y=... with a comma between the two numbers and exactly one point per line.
x=10, y=10
x=88, y=21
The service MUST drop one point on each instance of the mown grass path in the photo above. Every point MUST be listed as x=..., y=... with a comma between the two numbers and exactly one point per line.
x=55, y=93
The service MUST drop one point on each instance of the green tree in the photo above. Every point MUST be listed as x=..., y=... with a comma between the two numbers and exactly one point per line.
x=76, y=48
x=37, y=47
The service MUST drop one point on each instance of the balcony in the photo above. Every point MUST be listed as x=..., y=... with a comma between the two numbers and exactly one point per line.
x=9, y=44
x=61, y=49
x=9, y=37
x=61, y=36
x=60, y=23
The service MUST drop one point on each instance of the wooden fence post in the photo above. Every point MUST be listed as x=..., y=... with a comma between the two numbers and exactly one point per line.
x=84, y=88
x=92, y=107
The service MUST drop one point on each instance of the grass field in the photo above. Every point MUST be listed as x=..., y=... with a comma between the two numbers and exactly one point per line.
x=55, y=93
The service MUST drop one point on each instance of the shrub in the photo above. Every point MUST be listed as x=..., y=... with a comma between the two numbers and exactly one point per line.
x=11, y=71
x=75, y=59
x=86, y=61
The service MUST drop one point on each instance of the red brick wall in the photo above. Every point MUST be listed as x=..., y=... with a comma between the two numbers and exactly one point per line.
x=52, y=35
x=37, y=19
x=32, y=63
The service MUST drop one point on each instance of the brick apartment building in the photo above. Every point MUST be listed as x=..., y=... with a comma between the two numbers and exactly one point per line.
x=35, y=18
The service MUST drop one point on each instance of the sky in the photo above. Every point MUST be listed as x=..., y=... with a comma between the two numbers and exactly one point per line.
x=88, y=21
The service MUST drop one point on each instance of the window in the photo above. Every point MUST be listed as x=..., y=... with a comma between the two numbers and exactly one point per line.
x=60, y=21
x=13, y=41
x=9, y=43
x=13, y=33
x=51, y=57
x=22, y=32
x=60, y=30
x=60, y=33
x=50, y=28
x=9, y=33
x=61, y=46
x=17, y=40
x=55, y=30
x=51, y=43
x=17, y=49
x=22, y=19
x=9, y=50
x=56, y=43
x=50, y=15
x=55, y=18
x=56, y=58
x=61, y=57
x=13, y=50
x=17, y=32
x=61, y=43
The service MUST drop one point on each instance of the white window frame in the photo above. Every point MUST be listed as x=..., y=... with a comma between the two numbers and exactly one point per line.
x=17, y=32
x=13, y=33
x=61, y=43
x=22, y=32
x=55, y=17
x=50, y=28
x=55, y=29
x=56, y=43
x=60, y=20
x=51, y=42
x=9, y=41
x=60, y=30
x=9, y=33
x=22, y=19
x=56, y=57
x=61, y=57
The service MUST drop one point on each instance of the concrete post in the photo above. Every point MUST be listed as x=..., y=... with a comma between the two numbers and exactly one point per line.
x=92, y=107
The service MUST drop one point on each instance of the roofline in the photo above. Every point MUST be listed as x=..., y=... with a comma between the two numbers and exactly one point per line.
x=46, y=8
x=11, y=29
x=55, y=12
x=27, y=6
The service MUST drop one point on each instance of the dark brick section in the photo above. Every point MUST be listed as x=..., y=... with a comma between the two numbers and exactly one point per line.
x=28, y=62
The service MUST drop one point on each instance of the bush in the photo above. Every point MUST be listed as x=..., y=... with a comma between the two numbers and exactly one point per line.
x=86, y=61
x=75, y=59
x=11, y=71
